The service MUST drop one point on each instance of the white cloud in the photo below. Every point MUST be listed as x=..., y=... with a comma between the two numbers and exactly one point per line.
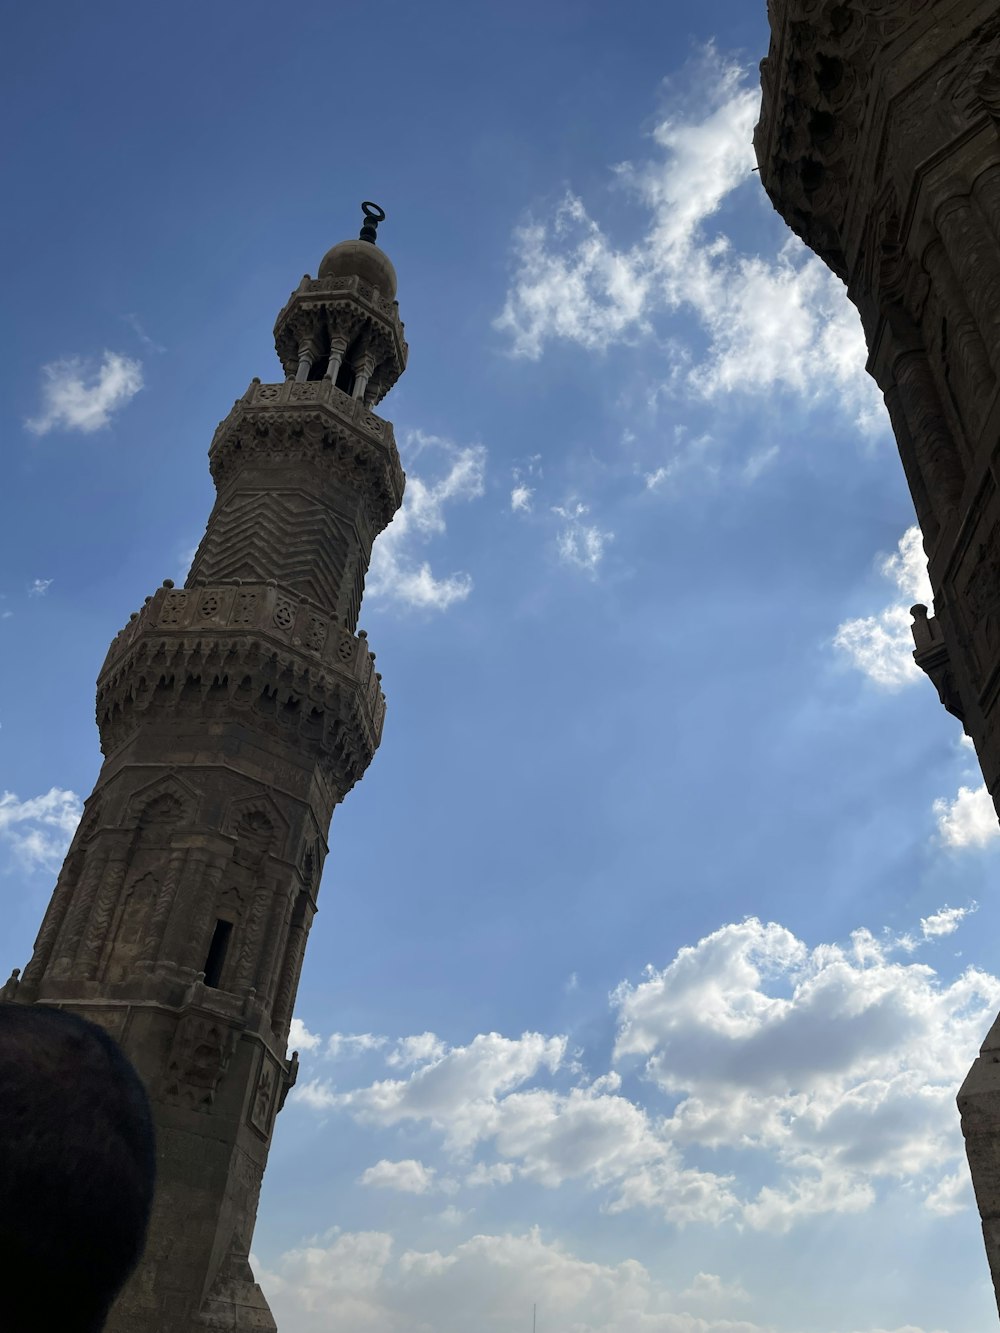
x=423, y=1049
x=475, y=1097
x=580, y=545
x=839, y=1064
x=75, y=396
x=39, y=587
x=520, y=499
x=882, y=645
x=777, y=321
x=409, y=1176
x=397, y=574
x=461, y=1087
x=829, y=1071
x=970, y=820
x=907, y=567
x=345, y=1044
x=301, y=1039
x=39, y=830
x=945, y=921
x=358, y=1283
x=709, y=1290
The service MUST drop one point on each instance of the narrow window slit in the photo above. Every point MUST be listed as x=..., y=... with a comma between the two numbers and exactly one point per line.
x=216, y=958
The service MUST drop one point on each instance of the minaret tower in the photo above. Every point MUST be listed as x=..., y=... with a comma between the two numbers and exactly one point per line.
x=235, y=714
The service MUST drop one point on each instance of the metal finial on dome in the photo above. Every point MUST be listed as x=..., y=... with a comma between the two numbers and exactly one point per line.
x=373, y=216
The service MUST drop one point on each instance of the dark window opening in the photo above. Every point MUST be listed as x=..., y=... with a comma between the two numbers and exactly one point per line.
x=216, y=958
x=318, y=368
x=345, y=379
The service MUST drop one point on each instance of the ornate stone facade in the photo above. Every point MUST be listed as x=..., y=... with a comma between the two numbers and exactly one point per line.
x=235, y=714
x=879, y=143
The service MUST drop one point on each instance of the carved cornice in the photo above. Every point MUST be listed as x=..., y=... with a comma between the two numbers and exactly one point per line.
x=313, y=421
x=237, y=649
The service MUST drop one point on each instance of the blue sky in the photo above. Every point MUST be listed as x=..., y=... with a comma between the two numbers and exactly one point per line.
x=656, y=941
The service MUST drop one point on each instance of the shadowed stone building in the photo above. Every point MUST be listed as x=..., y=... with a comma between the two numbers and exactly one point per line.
x=234, y=715
x=879, y=143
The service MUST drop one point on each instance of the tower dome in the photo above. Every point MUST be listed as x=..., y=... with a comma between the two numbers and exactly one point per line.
x=362, y=258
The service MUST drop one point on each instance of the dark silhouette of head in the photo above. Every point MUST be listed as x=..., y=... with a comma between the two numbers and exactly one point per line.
x=77, y=1165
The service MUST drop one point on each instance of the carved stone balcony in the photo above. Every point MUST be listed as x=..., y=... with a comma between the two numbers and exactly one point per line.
x=223, y=649
x=312, y=421
x=327, y=296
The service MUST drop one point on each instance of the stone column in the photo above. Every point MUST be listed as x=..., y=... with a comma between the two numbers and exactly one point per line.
x=338, y=349
x=307, y=355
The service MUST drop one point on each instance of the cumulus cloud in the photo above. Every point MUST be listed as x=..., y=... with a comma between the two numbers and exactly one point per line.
x=397, y=573
x=945, y=921
x=359, y=1281
x=970, y=820
x=418, y=1050
x=580, y=545
x=78, y=396
x=364, y=1282
x=409, y=1176
x=768, y=322
x=38, y=831
x=709, y=1289
x=838, y=1063
x=828, y=1071
x=301, y=1039
x=475, y=1097
x=882, y=645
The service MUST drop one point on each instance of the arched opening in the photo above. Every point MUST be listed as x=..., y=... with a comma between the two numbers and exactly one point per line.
x=345, y=378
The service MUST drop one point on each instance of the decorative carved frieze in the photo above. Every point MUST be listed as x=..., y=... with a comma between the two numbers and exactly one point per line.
x=330, y=708
x=318, y=424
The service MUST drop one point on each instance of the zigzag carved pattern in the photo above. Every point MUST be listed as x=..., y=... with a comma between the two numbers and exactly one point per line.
x=273, y=535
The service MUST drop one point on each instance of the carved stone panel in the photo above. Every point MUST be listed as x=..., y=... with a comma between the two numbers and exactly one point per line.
x=199, y=1056
x=262, y=1102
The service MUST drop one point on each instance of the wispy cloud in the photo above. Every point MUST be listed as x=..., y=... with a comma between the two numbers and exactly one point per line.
x=39, y=587
x=78, y=396
x=137, y=328
x=397, y=573
x=580, y=545
x=777, y=321
x=881, y=645
x=38, y=830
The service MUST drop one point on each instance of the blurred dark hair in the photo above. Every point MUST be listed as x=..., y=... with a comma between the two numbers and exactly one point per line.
x=77, y=1166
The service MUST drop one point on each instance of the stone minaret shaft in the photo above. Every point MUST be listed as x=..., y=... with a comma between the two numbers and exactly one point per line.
x=234, y=714
x=879, y=143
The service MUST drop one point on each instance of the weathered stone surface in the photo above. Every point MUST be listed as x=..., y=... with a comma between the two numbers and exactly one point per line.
x=234, y=713
x=879, y=143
